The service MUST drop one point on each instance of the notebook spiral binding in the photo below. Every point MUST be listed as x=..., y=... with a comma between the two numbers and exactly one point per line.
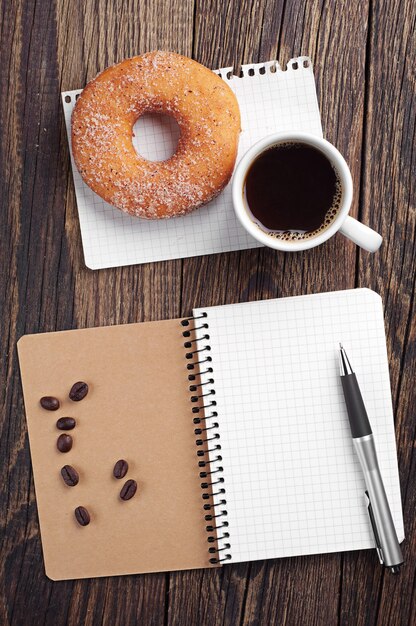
x=206, y=432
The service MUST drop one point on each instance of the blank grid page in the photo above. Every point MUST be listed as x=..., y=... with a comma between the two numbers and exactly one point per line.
x=270, y=100
x=292, y=480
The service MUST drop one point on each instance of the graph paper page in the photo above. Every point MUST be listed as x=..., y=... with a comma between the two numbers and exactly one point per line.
x=270, y=100
x=293, y=484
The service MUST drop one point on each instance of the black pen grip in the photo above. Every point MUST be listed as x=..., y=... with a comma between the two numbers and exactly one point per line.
x=360, y=426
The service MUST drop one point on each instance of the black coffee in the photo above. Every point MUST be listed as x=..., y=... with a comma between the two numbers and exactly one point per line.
x=292, y=190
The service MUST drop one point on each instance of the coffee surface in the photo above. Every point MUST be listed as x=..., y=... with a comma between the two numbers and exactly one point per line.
x=292, y=191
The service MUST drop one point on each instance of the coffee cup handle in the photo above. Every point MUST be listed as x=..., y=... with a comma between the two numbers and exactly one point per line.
x=362, y=235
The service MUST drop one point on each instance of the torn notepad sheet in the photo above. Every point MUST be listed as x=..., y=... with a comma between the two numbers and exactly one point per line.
x=270, y=100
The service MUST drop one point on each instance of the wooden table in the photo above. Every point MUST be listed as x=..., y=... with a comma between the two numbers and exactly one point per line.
x=364, y=59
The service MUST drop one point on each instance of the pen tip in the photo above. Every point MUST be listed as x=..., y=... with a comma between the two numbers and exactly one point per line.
x=340, y=345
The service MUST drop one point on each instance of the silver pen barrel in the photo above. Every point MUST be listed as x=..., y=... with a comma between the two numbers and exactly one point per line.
x=388, y=547
x=387, y=543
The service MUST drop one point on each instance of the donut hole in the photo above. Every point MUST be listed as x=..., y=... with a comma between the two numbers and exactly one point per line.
x=156, y=136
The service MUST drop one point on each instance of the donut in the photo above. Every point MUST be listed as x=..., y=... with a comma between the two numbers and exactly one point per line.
x=208, y=116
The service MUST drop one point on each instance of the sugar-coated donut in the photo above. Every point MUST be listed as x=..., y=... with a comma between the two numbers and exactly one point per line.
x=208, y=116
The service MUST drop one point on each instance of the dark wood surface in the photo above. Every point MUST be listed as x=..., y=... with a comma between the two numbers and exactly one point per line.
x=364, y=58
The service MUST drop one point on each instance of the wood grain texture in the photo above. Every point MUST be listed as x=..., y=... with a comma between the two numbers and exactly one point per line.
x=364, y=58
x=388, y=201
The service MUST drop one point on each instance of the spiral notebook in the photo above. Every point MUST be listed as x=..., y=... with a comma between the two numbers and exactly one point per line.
x=234, y=427
x=271, y=99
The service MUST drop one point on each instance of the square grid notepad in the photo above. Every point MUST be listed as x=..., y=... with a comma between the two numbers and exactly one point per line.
x=270, y=100
x=272, y=418
x=293, y=484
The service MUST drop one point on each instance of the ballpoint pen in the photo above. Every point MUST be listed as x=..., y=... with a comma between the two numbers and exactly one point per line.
x=387, y=544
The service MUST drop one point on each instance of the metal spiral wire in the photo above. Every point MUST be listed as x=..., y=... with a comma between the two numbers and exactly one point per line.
x=207, y=436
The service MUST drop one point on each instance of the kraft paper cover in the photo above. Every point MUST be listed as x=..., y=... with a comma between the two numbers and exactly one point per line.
x=138, y=409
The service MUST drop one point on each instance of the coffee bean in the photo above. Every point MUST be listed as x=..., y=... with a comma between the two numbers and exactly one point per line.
x=82, y=516
x=64, y=443
x=78, y=391
x=49, y=403
x=128, y=490
x=70, y=475
x=120, y=469
x=65, y=423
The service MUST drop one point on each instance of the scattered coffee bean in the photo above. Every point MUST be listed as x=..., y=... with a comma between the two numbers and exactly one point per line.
x=78, y=391
x=49, y=403
x=65, y=423
x=70, y=475
x=64, y=443
x=82, y=516
x=128, y=490
x=120, y=469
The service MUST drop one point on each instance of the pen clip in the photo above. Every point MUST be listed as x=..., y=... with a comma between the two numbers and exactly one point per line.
x=374, y=527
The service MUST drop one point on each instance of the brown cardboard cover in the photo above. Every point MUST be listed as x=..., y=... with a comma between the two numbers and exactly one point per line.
x=138, y=409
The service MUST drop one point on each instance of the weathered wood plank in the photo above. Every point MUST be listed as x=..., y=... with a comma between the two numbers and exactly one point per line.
x=31, y=268
x=388, y=202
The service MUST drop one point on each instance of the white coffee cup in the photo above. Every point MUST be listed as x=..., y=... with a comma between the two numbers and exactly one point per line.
x=362, y=235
